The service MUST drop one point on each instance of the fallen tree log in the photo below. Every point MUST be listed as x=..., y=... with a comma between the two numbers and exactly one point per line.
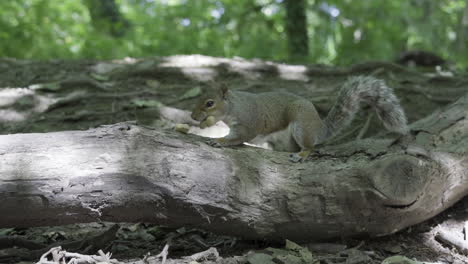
x=125, y=172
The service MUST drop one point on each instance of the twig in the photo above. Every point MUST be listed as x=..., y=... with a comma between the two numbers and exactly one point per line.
x=43, y=259
x=79, y=96
x=163, y=254
x=210, y=254
x=465, y=229
x=60, y=256
x=449, y=238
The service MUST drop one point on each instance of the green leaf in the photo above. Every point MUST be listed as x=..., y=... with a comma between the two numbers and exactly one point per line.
x=146, y=103
x=277, y=251
x=291, y=259
x=153, y=83
x=6, y=231
x=400, y=260
x=194, y=92
x=181, y=230
x=292, y=246
x=99, y=77
x=49, y=87
x=260, y=258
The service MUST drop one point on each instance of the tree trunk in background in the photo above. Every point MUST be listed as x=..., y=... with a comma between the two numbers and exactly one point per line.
x=107, y=18
x=463, y=30
x=296, y=30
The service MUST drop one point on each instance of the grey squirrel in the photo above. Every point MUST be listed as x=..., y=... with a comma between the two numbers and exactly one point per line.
x=249, y=115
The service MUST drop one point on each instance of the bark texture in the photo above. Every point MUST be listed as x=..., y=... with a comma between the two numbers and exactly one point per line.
x=125, y=172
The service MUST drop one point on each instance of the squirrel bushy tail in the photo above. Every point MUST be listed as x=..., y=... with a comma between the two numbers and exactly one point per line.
x=371, y=91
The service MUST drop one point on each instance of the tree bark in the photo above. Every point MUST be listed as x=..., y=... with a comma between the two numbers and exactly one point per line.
x=106, y=17
x=296, y=30
x=462, y=30
x=125, y=172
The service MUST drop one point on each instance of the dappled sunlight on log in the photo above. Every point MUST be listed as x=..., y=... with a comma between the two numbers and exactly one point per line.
x=188, y=61
x=200, y=74
x=106, y=67
x=71, y=159
x=12, y=116
x=17, y=104
x=248, y=69
x=9, y=96
x=293, y=72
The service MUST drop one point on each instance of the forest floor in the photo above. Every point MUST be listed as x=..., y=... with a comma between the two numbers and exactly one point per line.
x=44, y=96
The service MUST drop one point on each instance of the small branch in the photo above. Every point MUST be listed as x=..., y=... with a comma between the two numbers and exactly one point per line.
x=60, y=256
x=163, y=254
x=210, y=254
x=452, y=239
x=79, y=96
x=465, y=231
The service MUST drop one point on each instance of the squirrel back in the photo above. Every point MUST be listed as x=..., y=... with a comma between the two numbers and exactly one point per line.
x=371, y=91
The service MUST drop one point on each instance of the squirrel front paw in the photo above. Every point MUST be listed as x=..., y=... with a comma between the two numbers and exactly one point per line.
x=214, y=142
x=210, y=121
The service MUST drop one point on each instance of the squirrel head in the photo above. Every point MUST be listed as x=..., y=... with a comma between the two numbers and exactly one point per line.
x=210, y=108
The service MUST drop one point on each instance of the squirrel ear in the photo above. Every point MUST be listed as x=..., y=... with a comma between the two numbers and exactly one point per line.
x=223, y=88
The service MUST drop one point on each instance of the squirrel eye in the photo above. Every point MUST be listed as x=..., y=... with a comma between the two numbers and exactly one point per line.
x=210, y=103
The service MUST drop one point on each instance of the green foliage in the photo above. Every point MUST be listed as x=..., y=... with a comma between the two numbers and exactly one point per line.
x=340, y=31
x=291, y=254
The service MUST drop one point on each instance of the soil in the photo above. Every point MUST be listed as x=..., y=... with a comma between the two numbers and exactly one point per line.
x=44, y=96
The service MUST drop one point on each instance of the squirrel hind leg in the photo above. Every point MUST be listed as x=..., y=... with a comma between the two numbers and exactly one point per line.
x=304, y=128
x=305, y=138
